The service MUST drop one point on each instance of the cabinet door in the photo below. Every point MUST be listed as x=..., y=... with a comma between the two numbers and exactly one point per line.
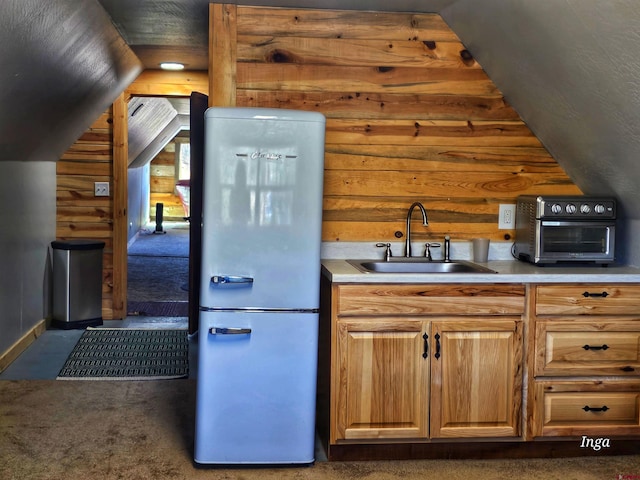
x=382, y=380
x=476, y=369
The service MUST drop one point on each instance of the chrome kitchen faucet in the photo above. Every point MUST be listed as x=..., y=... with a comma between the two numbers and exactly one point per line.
x=425, y=222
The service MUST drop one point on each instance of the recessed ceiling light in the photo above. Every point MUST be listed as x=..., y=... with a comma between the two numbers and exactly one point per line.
x=171, y=66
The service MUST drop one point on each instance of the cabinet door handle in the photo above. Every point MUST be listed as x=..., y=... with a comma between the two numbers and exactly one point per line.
x=599, y=347
x=628, y=369
x=437, y=354
x=589, y=294
x=587, y=408
x=425, y=352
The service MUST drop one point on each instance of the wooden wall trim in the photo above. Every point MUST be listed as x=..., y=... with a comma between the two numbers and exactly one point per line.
x=120, y=161
x=7, y=358
x=223, y=41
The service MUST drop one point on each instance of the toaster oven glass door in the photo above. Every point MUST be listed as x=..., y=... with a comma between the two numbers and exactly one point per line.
x=572, y=240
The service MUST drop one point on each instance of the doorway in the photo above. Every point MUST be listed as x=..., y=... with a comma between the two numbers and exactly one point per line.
x=158, y=205
x=149, y=83
x=198, y=103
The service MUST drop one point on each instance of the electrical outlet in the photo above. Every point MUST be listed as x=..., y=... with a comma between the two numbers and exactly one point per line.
x=101, y=189
x=507, y=217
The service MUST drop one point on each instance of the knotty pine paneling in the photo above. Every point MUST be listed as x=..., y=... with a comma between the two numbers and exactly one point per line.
x=79, y=214
x=163, y=185
x=411, y=116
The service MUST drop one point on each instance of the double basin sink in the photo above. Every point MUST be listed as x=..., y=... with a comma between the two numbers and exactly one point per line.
x=418, y=265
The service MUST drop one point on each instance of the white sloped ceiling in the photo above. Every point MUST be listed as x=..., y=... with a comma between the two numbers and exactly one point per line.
x=63, y=63
x=571, y=70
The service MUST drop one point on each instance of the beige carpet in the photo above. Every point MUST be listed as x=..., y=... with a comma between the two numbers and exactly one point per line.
x=144, y=430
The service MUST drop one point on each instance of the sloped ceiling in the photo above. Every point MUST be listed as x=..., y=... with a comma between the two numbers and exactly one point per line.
x=153, y=123
x=571, y=70
x=63, y=64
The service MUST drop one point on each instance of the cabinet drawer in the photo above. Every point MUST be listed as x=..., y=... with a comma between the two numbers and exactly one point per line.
x=583, y=408
x=587, y=348
x=411, y=299
x=588, y=299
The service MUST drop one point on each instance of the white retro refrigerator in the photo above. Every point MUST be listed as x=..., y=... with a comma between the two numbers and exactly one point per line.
x=258, y=327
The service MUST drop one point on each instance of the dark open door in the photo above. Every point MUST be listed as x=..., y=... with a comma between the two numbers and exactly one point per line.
x=199, y=103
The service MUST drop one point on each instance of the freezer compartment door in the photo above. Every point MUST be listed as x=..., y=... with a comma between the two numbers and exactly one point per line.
x=256, y=388
x=262, y=208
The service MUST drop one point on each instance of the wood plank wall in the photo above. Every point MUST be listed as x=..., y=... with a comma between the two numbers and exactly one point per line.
x=79, y=213
x=411, y=116
x=163, y=185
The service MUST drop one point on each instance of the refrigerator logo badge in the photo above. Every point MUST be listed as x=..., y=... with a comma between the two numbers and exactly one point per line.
x=266, y=156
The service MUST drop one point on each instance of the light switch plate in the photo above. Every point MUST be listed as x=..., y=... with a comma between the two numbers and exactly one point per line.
x=101, y=189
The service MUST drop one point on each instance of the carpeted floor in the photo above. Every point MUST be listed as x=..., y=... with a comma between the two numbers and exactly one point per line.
x=158, y=271
x=144, y=430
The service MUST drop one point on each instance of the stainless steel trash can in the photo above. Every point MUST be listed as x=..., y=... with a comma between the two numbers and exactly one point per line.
x=77, y=283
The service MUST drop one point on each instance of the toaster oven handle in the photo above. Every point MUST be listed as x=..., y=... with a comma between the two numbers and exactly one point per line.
x=595, y=295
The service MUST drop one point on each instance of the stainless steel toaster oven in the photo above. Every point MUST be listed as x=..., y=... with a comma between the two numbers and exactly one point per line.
x=557, y=229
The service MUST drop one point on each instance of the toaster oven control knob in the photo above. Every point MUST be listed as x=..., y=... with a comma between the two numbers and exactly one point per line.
x=556, y=208
x=599, y=208
x=585, y=208
x=570, y=208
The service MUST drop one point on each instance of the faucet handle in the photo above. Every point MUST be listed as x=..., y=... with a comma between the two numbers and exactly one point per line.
x=387, y=253
x=447, y=248
x=427, y=249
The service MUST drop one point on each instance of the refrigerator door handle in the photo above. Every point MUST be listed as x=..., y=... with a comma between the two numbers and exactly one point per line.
x=229, y=331
x=231, y=279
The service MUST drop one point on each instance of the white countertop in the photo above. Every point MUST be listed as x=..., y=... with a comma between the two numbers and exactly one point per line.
x=508, y=271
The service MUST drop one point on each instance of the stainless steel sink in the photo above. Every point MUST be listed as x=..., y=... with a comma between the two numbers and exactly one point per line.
x=418, y=265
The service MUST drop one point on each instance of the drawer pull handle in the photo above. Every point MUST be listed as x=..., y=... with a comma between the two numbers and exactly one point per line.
x=601, y=347
x=425, y=352
x=437, y=337
x=628, y=369
x=587, y=408
x=589, y=294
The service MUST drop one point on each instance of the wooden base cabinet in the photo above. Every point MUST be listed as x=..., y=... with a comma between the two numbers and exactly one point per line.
x=412, y=371
x=408, y=378
x=586, y=361
x=403, y=371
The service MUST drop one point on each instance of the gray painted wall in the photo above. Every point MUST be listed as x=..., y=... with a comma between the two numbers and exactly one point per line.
x=570, y=69
x=63, y=64
x=138, y=206
x=28, y=228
